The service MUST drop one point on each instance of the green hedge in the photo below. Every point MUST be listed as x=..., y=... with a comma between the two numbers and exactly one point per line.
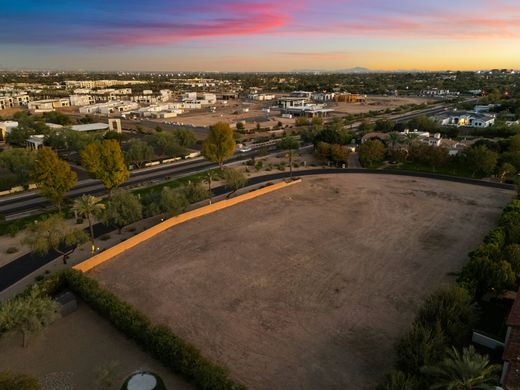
x=176, y=354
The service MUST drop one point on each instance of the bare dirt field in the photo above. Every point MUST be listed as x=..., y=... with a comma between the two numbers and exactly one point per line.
x=70, y=353
x=308, y=287
x=377, y=103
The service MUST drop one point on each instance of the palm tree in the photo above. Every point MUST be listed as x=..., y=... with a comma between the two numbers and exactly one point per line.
x=211, y=176
x=466, y=371
x=88, y=206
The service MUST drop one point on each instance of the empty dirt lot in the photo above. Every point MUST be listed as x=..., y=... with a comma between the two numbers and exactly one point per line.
x=310, y=286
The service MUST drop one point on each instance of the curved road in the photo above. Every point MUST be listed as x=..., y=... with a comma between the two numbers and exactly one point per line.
x=26, y=264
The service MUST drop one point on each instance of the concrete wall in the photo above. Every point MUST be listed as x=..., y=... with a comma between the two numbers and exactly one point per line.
x=161, y=227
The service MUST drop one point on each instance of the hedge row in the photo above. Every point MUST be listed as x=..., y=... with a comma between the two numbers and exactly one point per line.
x=495, y=266
x=176, y=354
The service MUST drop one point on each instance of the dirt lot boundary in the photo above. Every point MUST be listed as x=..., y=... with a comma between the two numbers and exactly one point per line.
x=110, y=253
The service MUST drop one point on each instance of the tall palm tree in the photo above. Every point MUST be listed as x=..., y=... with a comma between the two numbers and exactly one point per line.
x=463, y=371
x=88, y=206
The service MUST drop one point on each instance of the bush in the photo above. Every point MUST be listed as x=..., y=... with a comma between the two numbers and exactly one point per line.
x=453, y=310
x=14, y=381
x=422, y=345
x=11, y=250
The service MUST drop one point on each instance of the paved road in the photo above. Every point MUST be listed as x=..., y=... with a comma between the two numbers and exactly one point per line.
x=25, y=265
x=29, y=202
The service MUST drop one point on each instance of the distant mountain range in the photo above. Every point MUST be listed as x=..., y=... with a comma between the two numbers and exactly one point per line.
x=357, y=70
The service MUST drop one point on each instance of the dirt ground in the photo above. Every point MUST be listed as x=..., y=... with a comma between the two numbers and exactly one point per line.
x=377, y=103
x=70, y=353
x=308, y=287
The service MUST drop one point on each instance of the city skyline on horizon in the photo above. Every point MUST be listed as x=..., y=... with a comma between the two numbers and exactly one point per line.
x=260, y=36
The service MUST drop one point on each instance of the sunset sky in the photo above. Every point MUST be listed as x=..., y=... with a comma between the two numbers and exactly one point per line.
x=263, y=35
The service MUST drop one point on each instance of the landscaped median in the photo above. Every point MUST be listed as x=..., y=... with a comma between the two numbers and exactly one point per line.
x=161, y=227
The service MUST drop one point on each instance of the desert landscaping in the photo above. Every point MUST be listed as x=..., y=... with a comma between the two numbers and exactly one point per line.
x=317, y=280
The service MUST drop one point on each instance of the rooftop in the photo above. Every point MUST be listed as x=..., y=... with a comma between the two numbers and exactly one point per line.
x=90, y=127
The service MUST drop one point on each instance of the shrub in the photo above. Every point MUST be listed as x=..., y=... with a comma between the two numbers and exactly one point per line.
x=11, y=250
x=453, y=310
x=423, y=344
x=15, y=381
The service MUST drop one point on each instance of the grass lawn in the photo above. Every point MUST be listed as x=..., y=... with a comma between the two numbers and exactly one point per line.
x=447, y=170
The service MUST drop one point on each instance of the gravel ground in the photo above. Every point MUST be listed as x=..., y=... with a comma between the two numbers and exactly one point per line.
x=308, y=287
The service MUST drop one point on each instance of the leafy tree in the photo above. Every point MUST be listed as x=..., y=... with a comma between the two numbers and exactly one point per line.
x=463, y=371
x=220, y=143
x=301, y=121
x=54, y=233
x=195, y=192
x=422, y=345
x=104, y=161
x=480, y=160
x=158, y=129
x=234, y=180
x=290, y=144
x=514, y=144
x=423, y=123
x=15, y=381
x=240, y=126
x=384, y=125
x=18, y=161
x=372, y=152
x=28, y=313
x=122, y=209
x=165, y=144
x=454, y=310
x=366, y=127
x=506, y=170
x=173, y=201
x=89, y=207
x=331, y=135
x=337, y=154
x=57, y=117
x=185, y=137
x=53, y=176
x=138, y=152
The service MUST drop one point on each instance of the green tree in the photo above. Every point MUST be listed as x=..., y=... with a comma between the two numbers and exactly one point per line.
x=234, y=180
x=173, y=201
x=89, y=207
x=18, y=161
x=184, y=137
x=165, y=144
x=480, y=160
x=54, y=233
x=454, y=310
x=138, y=152
x=28, y=313
x=57, y=117
x=53, y=176
x=505, y=170
x=105, y=161
x=220, y=143
x=384, y=125
x=16, y=381
x=122, y=209
x=372, y=152
x=422, y=345
x=290, y=144
x=366, y=127
x=195, y=192
x=240, y=126
x=463, y=371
